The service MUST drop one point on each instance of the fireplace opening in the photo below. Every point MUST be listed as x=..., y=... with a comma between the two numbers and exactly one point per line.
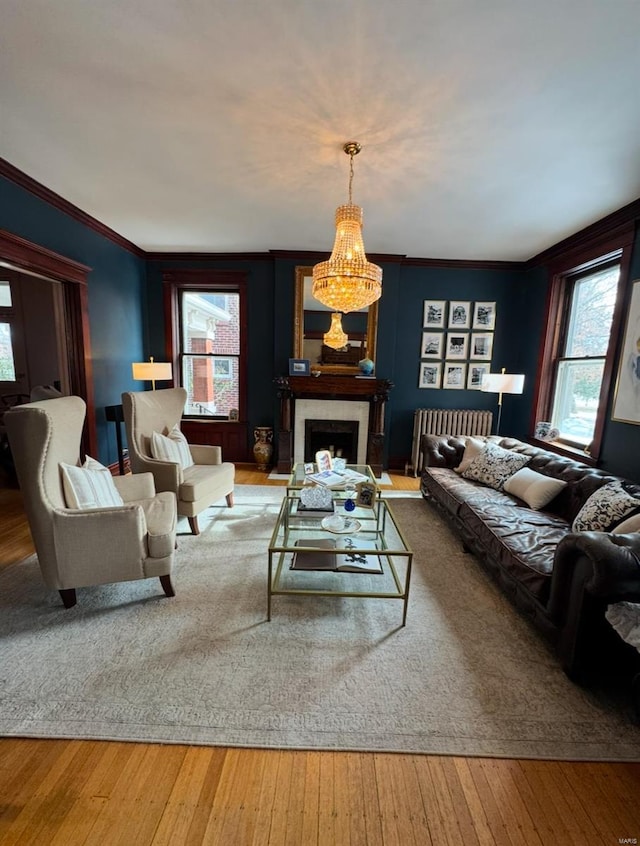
x=340, y=437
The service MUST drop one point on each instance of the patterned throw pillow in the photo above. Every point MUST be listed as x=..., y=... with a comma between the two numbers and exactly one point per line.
x=472, y=449
x=605, y=508
x=495, y=465
x=89, y=486
x=172, y=447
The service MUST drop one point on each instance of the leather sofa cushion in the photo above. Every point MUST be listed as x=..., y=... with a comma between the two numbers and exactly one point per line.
x=452, y=490
x=523, y=541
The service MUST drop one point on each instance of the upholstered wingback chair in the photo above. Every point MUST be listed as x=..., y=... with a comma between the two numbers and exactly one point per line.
x=206, y=481
x=78, y=547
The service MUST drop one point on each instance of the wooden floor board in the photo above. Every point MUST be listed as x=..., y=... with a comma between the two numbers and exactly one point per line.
x=370, y=800
x=496, y=817
x=600, y=809
x=99, y=793
x=515, y=814
x=311, y=802
x=473, y=802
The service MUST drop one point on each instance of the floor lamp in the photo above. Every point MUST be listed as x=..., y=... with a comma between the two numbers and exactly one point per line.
x=152, y=371
x=502, y=383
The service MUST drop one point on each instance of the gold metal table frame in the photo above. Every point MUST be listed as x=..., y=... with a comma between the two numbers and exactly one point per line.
x=378, y=523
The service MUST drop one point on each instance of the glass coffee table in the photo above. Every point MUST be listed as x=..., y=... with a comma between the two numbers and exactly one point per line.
x=367, y=559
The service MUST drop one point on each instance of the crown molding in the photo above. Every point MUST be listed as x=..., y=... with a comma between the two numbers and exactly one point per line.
x=628, y=215
x=464, y=264
x=194, y=256
x=43, y=193
x=616, y=223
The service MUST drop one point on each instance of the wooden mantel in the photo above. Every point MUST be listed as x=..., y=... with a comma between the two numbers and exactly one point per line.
x=332, y=387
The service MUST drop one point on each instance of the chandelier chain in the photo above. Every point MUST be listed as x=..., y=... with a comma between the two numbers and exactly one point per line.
x=350, y=176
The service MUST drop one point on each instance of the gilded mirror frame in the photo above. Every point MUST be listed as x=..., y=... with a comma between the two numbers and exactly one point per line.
x=303, y=273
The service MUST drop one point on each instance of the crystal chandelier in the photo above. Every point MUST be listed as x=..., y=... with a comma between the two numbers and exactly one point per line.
x=347, y=282
x=335, y=337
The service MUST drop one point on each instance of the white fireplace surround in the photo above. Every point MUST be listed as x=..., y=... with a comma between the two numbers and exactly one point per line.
x=342, y=410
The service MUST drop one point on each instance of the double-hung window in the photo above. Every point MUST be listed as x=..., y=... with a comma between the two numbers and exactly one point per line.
x=590, y=304
x=575, y=379
x=208, y=340
x=7, y=358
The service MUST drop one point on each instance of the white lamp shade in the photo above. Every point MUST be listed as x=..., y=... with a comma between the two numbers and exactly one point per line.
x=152, y=371
x=503, y=383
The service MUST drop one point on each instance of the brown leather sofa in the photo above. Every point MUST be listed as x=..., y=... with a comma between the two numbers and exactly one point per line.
x=560, y=580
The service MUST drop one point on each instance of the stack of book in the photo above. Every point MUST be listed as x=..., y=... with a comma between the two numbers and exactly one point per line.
x=337, y=478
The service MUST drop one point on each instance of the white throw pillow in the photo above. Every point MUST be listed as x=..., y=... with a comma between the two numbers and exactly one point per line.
x=536, y=489
x=631, y=524
x=172, y=447
x=494, y=465
x=605, y=509
x=89, y=486
x=472, y=449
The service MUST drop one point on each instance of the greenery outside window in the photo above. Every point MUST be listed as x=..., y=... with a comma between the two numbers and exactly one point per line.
x=580, y=369
x=583, y=324
x=7, y=357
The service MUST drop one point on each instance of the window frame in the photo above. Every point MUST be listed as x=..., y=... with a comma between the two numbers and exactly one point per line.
x=563, y=274
x=225, y=282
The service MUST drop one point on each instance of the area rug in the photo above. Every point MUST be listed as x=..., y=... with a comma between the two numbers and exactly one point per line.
x=466, y=676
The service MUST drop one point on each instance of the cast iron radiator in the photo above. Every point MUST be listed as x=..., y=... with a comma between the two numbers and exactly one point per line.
x=446, y=421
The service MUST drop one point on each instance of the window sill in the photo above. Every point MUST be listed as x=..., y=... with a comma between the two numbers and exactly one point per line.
x=564, y=449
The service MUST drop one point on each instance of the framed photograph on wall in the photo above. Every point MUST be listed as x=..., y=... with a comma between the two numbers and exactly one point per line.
x=457, y=343
x=432, y=343
x=430, y=374
x=484, y=316
x=626, y=400
x=454, y=375
x=459, y=314
x=434, y=312
x=481, y=345
x=474, y=377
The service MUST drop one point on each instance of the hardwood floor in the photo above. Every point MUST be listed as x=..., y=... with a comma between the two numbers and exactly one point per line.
x=70, y=792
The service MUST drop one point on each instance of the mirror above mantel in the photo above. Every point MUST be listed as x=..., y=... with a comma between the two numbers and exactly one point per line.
x=311, y=319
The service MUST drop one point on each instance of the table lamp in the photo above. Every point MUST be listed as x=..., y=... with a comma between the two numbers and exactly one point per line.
x=152, y=371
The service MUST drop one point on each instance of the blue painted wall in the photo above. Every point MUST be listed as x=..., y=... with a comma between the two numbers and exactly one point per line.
x=401, y=336
x=116, y=288
x=127, y=324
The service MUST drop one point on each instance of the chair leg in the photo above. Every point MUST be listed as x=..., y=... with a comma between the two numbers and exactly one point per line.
x=230, y=499
x=165, y=581
x=193, y=522
x=68, y=596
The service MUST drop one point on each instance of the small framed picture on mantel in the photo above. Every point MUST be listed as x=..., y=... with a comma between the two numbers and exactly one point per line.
x=299, y=367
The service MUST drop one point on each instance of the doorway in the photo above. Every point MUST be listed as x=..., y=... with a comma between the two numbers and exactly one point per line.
x=33, y=338
x=62, y=311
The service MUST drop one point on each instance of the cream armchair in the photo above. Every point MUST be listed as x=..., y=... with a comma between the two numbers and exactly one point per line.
x=77, y=547
x=196, y=487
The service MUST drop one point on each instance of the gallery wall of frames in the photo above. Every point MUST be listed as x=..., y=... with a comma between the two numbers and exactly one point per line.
x=457, y=344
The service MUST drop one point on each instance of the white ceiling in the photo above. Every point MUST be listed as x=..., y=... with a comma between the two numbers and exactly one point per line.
x=490, y=130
